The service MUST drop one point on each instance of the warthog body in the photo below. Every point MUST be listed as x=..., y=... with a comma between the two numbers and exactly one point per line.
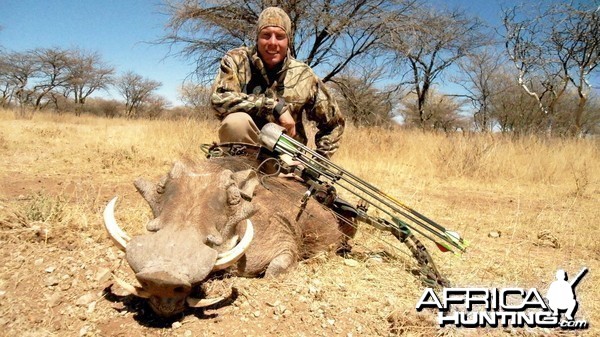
x=200, y=210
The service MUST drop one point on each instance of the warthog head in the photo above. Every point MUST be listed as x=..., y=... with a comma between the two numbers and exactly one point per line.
x=200, y=212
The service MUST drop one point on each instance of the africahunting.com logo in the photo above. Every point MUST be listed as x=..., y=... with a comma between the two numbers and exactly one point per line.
x=508, y=307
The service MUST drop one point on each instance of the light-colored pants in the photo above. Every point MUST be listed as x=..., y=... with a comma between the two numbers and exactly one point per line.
x=238, y=127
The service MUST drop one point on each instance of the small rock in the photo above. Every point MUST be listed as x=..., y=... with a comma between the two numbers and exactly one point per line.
x=84, y=330
x=375, y=260
x=50, y=269
x=91, y=307
x=280, y=309
x=369, y=277
x=38, y=262
x=85, y=300
x=64, y=286
x=274, y=304
x=312, y=289
x=256, y=313
x=494, y=234
x=176, y=325
x=2, y=293
x=119, y=307
x=187, y=333
x=331, y=321
x=111, y=254
x=351, y=262
x=54, y=300
x=51, y=281
x=102, y=275
x=41, y=233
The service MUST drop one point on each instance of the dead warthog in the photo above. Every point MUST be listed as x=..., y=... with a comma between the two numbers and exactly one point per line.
x=212, y=215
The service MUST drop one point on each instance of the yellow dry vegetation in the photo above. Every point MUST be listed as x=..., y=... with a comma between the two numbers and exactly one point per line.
x=528, y=206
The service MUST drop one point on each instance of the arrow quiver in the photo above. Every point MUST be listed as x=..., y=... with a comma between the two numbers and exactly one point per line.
x=280, y=153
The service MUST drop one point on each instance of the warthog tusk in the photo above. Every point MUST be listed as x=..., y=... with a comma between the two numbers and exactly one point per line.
x=201, y=303
x=130, y=288
x=115, y=232
x=230, y=257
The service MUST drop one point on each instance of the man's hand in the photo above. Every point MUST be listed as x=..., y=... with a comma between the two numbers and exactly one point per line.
x=287, y=121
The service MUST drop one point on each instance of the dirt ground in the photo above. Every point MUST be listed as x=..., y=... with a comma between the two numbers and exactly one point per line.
x=56, y=260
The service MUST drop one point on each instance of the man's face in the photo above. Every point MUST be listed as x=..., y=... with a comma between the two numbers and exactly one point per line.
x=272, y=46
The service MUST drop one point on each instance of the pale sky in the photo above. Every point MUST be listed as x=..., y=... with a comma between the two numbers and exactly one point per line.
x=120, y=30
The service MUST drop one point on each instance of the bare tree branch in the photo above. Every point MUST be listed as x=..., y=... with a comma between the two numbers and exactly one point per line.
x=136, y=90
x=329, y=34
x=552, y=49
x=429, y=44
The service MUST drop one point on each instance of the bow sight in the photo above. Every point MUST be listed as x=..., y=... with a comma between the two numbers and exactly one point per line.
x=322, y=176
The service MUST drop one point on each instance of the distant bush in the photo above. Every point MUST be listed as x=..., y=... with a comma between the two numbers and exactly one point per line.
x=103, y=107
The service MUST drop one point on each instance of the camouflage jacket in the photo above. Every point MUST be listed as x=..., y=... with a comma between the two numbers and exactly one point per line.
x=244, y=85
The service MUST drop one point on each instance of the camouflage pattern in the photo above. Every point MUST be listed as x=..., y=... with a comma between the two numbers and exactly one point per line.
x=274, y=17
x=244, y=85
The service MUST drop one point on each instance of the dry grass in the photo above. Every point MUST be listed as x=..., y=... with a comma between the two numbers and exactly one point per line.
x=541, y=195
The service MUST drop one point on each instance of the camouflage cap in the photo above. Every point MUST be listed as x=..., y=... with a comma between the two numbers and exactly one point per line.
x=274, y=17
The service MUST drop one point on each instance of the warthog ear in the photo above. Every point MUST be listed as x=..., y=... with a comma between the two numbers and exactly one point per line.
x=152, y=193
x=149, y=192
x=238, y=185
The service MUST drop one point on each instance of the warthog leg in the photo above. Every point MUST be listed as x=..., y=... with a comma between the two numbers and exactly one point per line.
x=280, y=264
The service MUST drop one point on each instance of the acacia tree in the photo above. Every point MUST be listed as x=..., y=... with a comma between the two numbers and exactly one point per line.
x=477, y=76
x=18, y=70
x=87, y=74
x=444, y=112
x=552, y=49
x=154, y=106
x=6, y=82
x=53, y=72
x=41, y=76
x=513, y=110
x=576, y=40
x=329, y=34
x=360, y=99
x=430, y=43
x=591, y=122
x=196, y=97
x=136, y=90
